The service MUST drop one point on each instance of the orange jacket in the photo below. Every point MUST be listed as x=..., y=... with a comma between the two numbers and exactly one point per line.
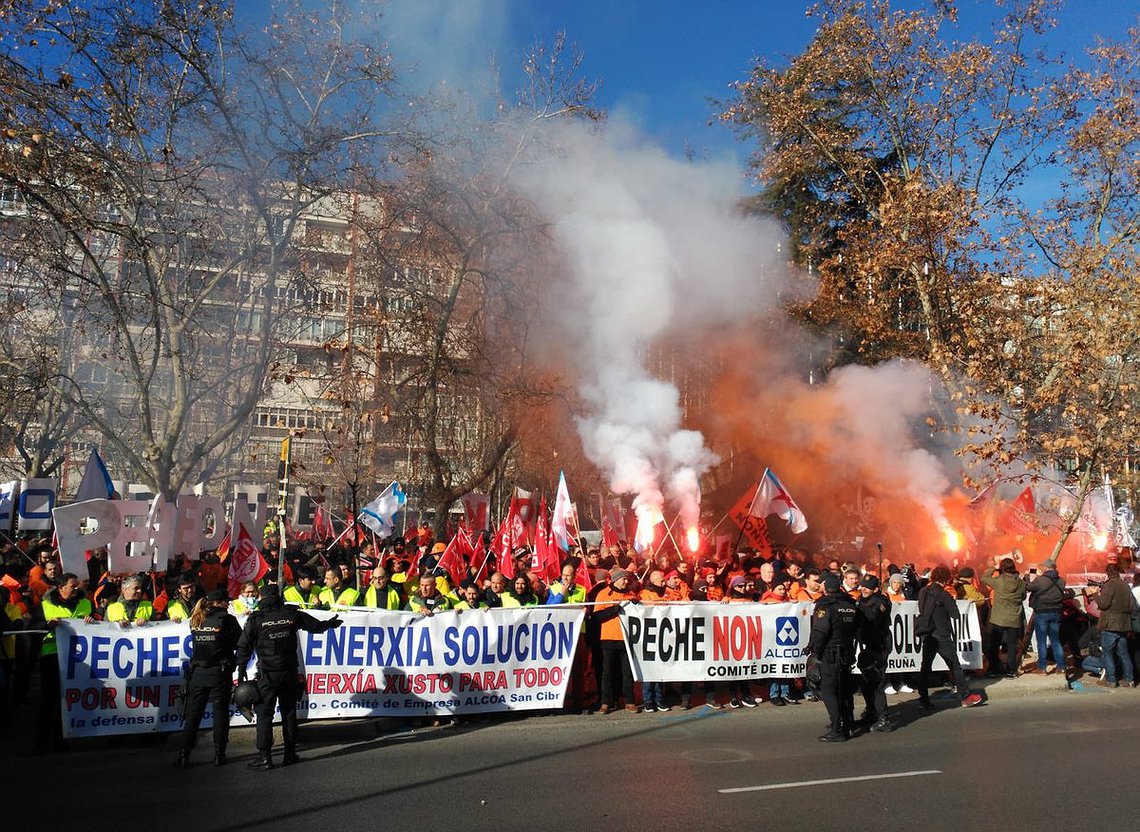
x=607, y=598
x=802, y=593
x=681, y=593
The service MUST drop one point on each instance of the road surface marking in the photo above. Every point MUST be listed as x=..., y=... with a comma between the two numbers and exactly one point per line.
x=772, y=786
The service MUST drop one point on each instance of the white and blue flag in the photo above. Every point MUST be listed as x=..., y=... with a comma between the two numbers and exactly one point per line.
x=380, y=514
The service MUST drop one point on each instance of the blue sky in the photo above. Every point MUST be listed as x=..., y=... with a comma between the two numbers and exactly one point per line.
x=661, y=61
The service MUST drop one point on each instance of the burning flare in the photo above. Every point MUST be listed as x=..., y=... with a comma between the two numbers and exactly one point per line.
x=952, y=539
x=647, y=519
x=1100, y=541
x=693, y=538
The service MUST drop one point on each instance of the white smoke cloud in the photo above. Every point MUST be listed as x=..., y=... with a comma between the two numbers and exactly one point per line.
x=655, y=246
x=445, y=44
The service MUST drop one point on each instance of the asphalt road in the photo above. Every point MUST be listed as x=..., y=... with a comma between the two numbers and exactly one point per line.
x=1035, y=764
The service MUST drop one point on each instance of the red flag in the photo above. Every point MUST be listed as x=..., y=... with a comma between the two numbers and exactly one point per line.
x=754, y=527
x=452, y=563
x=522, y=508
x=609, y=534
x=224, y=546
x=1020, y=515
x=612, y=521
x=322, y=524
x=351, y=532
x=545, y=548
x=246, y=563
x=477, y=511
x=501, y=547
x=480, y=556
x=584, y=577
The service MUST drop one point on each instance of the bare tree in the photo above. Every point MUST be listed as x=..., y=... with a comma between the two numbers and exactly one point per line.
x=457, y=258
x=168, y=161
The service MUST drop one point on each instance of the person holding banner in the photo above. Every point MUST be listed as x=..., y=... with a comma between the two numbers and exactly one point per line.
x=337, y=591
x=209, y=675
x=429, y=600
x=304, y=594
x=615, y=662
x=131, y=608
x=472, y=597
x=381, y=594
x=184, y=600
x=521, y=593
x=64, y=601
x=271, y=631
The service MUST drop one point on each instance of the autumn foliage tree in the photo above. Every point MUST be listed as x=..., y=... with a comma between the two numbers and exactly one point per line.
x=1059, y=307
x=899, y=159
x=887, y=148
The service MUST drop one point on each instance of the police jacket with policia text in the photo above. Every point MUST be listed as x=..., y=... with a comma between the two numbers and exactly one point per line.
x=835, y=625
x=940, y=608
x=215, y=640
x=272, y=632
x=874, y=628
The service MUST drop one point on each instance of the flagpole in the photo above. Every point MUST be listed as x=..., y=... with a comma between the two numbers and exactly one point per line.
x=286, y=462
x=751, y=506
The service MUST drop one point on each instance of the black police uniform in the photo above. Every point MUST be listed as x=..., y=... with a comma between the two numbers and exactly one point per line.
x=272, y=632
x=875, y=648
x=835, y=625
x=210, y=679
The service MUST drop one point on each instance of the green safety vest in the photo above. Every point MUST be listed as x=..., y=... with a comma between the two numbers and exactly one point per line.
x=293, y=596
x=118, y=611
x=178, y=607
x=391, y=598
x=54, y=612
x=347, y=598
x=576, y=596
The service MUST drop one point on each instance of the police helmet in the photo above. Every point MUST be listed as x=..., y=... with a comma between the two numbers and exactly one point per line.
x=246, y=695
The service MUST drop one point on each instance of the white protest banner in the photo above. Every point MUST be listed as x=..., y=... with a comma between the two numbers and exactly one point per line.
x=37, y=499
x=706, y=641
x=8, y=495
x=117, y=681
x=906, y=649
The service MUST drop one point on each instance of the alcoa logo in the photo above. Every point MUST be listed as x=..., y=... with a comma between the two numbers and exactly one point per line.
x=787, y=631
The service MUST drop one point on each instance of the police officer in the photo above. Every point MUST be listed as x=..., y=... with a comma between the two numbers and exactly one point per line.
x=875, y=647
x=834, y=628
x=272, y=632
x=209, y=676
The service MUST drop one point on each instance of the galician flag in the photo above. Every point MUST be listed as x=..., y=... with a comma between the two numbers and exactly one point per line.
x=772, y=498
x=563, y=523
x=380, y=514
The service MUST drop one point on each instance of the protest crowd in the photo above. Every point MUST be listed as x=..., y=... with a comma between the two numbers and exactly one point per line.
x=1087, y=630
